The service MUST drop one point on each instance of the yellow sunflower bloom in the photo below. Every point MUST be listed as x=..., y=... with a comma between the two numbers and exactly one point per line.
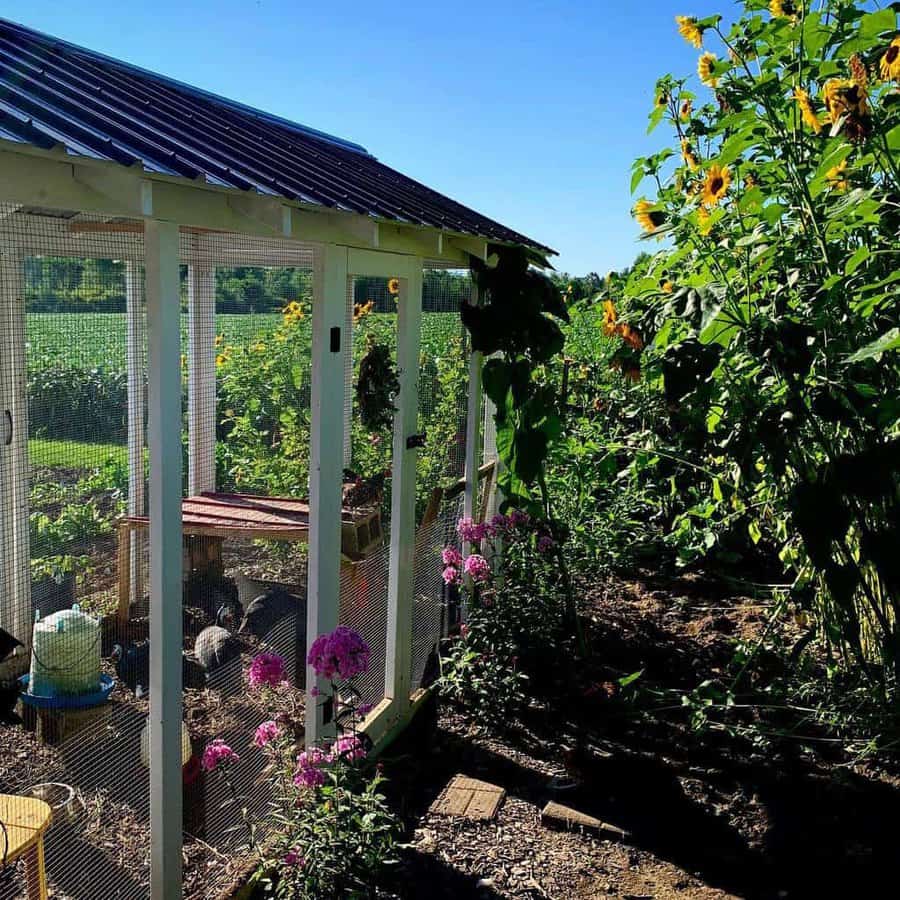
x=609, y=318
x=889, y=65
x=687, y=154
x=690, y=30
x=784, y=9
x=807, y=111
x=394, y=286
x=647, y=216
x=843, y=97
x=686, y=109
x=837, y=177
x=706, y=69
x=715, y=184
x=361, y=310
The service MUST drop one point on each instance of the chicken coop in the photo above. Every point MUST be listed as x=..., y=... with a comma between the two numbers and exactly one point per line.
x=193, y=467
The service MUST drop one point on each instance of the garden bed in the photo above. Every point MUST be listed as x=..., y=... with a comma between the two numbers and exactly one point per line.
x=710, y=815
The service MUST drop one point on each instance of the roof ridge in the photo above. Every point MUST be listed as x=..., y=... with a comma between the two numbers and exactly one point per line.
x=262, y=115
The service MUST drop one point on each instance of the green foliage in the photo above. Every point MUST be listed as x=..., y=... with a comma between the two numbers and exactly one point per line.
x=376, y=386
x=771, y=318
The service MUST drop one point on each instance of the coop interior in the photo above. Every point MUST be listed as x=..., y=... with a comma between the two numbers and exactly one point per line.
x=74, y=540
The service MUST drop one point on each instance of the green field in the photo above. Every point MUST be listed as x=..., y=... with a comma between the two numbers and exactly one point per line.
x=47, y=454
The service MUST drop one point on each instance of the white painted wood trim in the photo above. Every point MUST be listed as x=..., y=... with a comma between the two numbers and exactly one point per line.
x=201, y=379
x=348, y=375
x=403, y=492
x=325, y=469
x=134, y=352
x=164, y=352
x=473, y=432
x=15, y=604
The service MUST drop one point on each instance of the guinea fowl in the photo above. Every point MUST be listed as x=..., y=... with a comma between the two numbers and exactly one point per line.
x=133, y=668
x=266, y=611
x=9, y=693
x=210, y=594
x=216, y=645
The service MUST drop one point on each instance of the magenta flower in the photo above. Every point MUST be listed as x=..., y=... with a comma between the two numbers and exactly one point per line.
x=545, y=543
x=451, y=557
x=266, y=668
x=349, y=748
x=266, y=733
x=308, y=773
x=293, y=858
x=217, y=753
x=463, y=631
x=501, y=523
x=472, y=532
x=518, y=519
x=343, y=653
x=477, y=568
x=450, y=575
x=364, y=709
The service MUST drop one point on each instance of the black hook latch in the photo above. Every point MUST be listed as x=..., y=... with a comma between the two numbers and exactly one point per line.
x=415, y=440
x=7, y=428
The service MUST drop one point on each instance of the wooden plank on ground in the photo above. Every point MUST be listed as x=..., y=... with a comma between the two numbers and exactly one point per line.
x=558, y=816
x=469, y=798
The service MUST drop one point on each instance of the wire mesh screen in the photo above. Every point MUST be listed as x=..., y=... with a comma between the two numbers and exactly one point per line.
x=72, y=464
x=443, y=398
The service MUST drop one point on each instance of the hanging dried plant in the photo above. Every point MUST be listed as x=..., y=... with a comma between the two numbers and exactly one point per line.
x=376, y=386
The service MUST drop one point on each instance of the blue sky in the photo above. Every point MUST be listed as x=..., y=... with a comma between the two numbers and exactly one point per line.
x=530, y=112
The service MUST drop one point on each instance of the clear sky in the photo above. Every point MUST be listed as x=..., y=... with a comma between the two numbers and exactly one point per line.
x=531, y=112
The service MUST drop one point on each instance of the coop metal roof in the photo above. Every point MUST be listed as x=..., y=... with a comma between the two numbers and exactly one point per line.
x=55, y=93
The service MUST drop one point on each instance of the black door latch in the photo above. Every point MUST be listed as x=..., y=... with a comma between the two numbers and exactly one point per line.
x=415, y=440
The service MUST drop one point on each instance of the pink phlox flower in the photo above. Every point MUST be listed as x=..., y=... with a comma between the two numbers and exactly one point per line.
x=343, y=653
x=450, y=575
x=518, y=518
x=451, y=557
x=349, y=748
x=309, y=772
x=472, y=532
x=501, y=524
x=266, y=733
x=477, y=568
x=217, y=753
x=364, y=709
x=266, y=668
x=293, y=858
x=545, y=543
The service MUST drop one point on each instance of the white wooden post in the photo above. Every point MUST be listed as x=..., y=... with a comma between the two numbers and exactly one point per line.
x=15, y=602
x=403, y=492
x=164, y=351
x=348, y=377
x=329, y=346
x=134, y=339
x=473, y=431
x=201, y=380
x=489, y=452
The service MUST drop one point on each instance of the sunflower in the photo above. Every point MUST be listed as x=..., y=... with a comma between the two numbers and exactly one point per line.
x=609, y=318
x=716, y=184
x=750, y=181
x=662, y=99
x=690, y=30
x=631, y=336
x=858, y=73
x=648, y=217
x=837, y=176
x=361, y=310
x=706, y=68
x=784, y=9
x=889, y=66
x=686, y=109
x=806, y=110
x=667, y=287
x=687, y=154
x=394, y=286
x=843, y=97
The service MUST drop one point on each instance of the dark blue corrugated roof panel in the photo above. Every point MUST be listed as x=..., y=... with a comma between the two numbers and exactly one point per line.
x=52, y=92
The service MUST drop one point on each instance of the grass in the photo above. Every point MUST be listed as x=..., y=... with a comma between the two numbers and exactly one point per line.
x=47, y=454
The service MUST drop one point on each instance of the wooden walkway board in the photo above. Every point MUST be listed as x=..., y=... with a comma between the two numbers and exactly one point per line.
x=469, y=798
x=559, y=816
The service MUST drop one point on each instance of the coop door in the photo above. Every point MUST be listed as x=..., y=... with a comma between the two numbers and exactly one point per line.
x=15, y=602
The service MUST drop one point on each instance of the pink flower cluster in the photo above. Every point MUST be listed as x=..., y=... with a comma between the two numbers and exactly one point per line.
x=293, y=858
x=266, y=668
x=545, y=543
x=311, y=764
x=343, y=653
x=309, y=772
x=477, y=568
x=475, y=532
x=266, y=733
x=217, y=753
